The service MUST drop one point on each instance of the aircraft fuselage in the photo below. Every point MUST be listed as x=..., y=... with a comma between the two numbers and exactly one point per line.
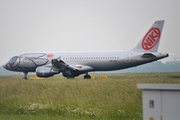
x=99, y=61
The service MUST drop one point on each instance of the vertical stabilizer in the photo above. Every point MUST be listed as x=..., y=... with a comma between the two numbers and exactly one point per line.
x=150, y=41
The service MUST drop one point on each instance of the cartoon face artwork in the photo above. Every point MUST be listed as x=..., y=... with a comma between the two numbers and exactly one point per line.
x=27, y=62
x=33, y=59
x=13, y=62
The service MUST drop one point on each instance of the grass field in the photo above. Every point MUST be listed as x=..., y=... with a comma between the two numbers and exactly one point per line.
x=116, y=97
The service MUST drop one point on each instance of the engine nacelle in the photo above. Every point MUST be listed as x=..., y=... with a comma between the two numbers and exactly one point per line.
x=45, y=71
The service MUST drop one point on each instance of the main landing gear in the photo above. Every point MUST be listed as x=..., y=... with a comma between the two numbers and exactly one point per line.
x=87, y=76
x=70, y=77
x=25, y=75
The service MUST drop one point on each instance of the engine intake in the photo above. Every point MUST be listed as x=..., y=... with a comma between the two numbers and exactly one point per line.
x=45, y=71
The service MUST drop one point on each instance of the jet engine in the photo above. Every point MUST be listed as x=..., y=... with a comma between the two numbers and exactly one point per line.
x=46, y=71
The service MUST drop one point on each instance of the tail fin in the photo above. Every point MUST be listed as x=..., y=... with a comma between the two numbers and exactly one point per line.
x=150, y=42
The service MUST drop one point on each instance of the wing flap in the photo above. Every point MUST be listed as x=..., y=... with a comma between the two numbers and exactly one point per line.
x=61, y=65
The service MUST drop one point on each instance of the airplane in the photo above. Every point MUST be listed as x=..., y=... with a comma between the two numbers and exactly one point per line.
x=72, y=64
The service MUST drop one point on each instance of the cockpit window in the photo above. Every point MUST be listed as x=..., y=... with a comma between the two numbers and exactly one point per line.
x=12, y=60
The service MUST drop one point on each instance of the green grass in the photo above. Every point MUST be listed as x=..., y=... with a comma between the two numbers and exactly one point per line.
x=59, y=98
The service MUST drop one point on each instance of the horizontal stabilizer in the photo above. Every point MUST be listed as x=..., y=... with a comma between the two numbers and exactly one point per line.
x=148, y=55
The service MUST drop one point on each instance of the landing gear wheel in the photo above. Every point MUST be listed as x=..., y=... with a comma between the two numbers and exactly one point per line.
x=87, y=77
x=24, y=78
x=70, y=77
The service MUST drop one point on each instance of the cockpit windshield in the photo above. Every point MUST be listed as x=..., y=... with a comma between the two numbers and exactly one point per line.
x=12, y=60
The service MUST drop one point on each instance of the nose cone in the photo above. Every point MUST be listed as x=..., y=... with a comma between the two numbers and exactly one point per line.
x=167, y=55
x=5, y=67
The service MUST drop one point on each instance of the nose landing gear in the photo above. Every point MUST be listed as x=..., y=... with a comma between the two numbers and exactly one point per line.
x=25, y=75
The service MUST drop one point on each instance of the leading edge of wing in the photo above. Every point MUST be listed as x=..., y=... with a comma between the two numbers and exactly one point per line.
x=61, y=65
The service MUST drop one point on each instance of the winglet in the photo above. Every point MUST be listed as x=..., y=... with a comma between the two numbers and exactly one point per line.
x=150, y=41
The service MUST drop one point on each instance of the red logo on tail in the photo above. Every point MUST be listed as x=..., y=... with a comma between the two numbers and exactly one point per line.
x=151, y=38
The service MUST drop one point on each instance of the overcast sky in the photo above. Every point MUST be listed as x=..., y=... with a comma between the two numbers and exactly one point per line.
x=84, y=25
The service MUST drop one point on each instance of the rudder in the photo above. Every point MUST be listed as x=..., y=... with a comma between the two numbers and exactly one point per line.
x=150, y=42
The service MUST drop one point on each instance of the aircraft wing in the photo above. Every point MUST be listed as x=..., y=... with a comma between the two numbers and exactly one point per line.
x=61, y=65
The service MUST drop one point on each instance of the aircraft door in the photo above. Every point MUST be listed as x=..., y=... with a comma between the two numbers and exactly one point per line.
x=21, y=60
x=127, y=58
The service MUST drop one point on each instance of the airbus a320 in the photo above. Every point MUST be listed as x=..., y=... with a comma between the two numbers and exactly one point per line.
x=72, y=64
